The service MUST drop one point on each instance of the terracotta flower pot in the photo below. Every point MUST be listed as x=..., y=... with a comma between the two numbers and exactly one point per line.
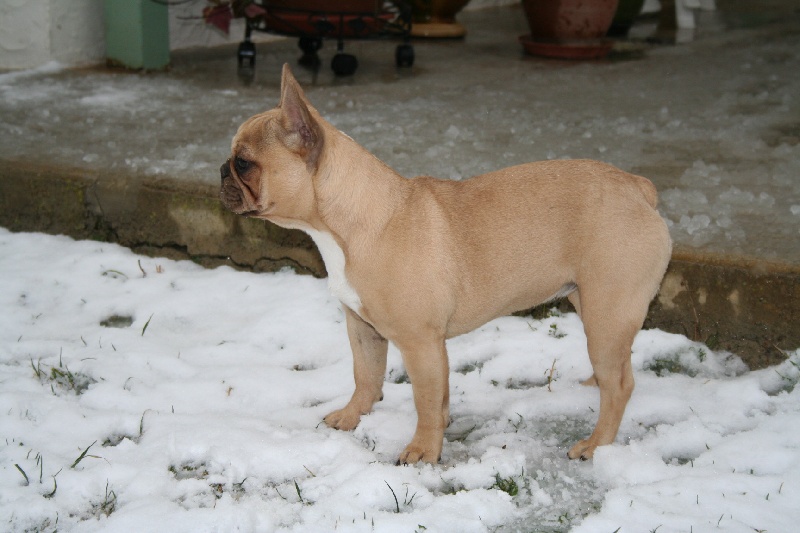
x=568, y=28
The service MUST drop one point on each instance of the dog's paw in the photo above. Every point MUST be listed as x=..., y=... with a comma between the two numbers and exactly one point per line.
x=411, y=456
x=427, y=451
x=345, y=419
x=583, y=450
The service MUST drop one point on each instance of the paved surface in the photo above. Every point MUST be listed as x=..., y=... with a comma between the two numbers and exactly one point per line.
x=715, y=123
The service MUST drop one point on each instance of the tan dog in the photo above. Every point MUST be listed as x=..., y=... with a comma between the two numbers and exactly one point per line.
x=417, y=261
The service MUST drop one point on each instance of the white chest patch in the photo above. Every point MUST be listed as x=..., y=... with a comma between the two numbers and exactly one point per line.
x=333, y=256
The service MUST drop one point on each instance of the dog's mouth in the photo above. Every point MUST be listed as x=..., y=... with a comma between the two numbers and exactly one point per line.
x=233, y=199
x=235, y=203
x=233, y=195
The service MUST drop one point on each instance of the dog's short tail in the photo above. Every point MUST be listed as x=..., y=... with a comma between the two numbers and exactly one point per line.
x=648, y=190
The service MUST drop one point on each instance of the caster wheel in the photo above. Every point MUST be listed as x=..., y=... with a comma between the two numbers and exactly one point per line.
x=404, y=55
x=246, y=54
x=344, y=64
x=309, y=46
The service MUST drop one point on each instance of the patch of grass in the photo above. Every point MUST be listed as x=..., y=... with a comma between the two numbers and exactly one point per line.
x=104, y=507
x=75, y=382
x=199, y=471
x=555, y=332
x=107, y=506
x=713, y=341
x=406, y=500
x=675, y=364
x=117, y=321
x=189, y=471
x=236, y=490
x=521, y=384
x=507, y=485
x=62, y=377
x=663, y=366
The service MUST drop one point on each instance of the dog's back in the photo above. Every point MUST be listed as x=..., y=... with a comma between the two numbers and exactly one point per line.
x=523, y=235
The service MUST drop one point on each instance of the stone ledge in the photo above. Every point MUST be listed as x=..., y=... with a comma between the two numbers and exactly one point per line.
x=152, y=216
x=747, y=306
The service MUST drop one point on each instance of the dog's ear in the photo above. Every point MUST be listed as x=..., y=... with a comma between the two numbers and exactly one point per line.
x=304, y=134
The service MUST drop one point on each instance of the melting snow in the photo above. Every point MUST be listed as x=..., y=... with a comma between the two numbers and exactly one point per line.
x=190, y=400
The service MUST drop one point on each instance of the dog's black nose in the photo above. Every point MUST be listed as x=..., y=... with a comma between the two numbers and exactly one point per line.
x=225, y=170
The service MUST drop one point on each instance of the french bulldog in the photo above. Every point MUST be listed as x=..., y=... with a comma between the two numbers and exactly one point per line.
x=418, y=261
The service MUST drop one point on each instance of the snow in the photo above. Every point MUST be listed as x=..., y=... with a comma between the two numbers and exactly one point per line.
x=197, y=407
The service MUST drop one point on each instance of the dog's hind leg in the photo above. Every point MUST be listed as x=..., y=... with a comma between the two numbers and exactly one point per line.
x=575, y=299
x=611, y=323
x=369, y=366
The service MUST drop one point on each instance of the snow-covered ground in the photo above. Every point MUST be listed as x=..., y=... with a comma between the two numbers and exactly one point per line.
x=142, y=394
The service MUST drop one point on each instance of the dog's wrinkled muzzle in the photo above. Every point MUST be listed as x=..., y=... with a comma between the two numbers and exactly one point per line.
x=229, y=192
x=225, y=170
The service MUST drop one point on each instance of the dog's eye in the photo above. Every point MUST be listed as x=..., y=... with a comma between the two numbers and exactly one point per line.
x=241, y=165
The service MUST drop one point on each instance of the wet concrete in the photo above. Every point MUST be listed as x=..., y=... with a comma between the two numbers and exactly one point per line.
x=137, y=165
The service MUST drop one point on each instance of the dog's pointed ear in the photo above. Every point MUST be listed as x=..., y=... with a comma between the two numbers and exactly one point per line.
x=304, y=134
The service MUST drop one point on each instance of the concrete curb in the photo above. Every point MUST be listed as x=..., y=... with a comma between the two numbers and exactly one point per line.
x=746, y=306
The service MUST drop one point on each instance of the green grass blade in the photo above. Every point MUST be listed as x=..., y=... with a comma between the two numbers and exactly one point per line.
x=21, y=471
x=82, y=455
x=396, y=503
x=147, y=324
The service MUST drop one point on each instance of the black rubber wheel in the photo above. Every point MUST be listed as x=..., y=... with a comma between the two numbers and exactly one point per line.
x=246, y=54
x=404, y=55
x=344, y=64
x=309, y=46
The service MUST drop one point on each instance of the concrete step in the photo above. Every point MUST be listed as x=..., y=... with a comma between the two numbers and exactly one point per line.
x=744, y=305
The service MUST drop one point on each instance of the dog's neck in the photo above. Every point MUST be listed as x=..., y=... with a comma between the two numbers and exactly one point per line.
x=356, y=193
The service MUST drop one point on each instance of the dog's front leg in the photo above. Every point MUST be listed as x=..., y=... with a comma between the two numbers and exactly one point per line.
x=427, y=367
x=369, y=366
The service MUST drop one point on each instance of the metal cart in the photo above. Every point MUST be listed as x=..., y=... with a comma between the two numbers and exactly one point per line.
x=315, y=20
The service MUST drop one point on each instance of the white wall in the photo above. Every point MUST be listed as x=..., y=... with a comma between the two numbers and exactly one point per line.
x=24, y=33
x=72, y=32
x=77, y=32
